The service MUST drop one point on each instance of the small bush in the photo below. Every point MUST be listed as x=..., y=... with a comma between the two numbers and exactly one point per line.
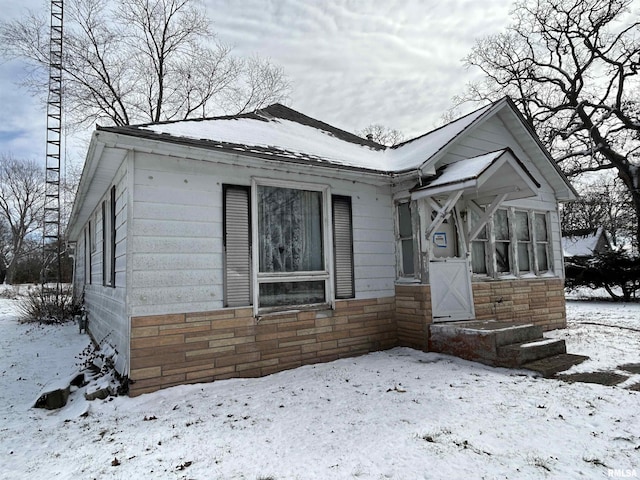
x=49, y=305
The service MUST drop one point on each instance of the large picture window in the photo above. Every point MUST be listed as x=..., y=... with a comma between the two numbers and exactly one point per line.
x=290, y=246
x=278, y=238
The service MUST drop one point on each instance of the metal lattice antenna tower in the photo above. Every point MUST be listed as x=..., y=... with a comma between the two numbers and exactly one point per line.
x=51, y=261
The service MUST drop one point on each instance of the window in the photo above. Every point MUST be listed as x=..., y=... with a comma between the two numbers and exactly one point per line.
x=291, y=251
x=92, y=235
x=523, y=239
x=109, y=239
x=502, y=241
x=516, y=241
x=542, y=242
x=287, y=230
x=87, y=254
x=405, y=240
x=479, y=247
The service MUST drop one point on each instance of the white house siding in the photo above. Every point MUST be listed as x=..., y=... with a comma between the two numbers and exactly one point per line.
x=106, y=305
x=493, y=135
x=177, y=254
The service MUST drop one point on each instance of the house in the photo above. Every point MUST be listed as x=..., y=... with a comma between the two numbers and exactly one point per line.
x=585, y=243
x=249, y=244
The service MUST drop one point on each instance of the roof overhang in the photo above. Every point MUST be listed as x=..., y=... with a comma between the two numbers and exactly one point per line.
x=482, y=179
x=100, y=168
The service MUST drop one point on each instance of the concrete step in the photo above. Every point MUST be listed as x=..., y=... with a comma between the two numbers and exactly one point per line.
x=518, y=354
x=549, y=366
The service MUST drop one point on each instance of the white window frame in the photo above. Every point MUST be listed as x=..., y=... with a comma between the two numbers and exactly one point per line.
x=535, y=242
x=325, y=275
x=532, y=244
x=528, y=243
x=399, y=241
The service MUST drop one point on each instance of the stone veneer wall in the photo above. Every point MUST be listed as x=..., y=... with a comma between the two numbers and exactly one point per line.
x=539, y=301
x=169, y=350
x=413, y=315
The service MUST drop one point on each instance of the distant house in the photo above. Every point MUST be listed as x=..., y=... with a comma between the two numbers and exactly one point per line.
x=585, y=243
x=249, y=244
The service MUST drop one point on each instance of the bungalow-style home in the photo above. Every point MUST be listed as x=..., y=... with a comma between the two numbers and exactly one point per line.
x=585, y=243
x=249, y=244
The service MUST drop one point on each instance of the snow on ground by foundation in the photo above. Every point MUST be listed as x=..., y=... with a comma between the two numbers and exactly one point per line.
x=399, y=414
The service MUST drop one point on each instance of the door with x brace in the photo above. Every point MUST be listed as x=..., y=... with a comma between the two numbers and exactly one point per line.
x=451, y=293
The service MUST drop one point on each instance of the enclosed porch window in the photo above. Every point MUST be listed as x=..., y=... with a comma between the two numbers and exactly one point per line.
x=518, y=244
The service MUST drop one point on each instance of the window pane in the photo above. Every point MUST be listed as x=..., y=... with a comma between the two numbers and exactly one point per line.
x=290, y=230
x=291, y=293
x=543, y=262
x=407, y=256
x=502, y=257
x=541, y=227
x=501, y=225
x=522, y=226
x=404, y=220
x=478, y=262
x=523, y=257
x=474, y=221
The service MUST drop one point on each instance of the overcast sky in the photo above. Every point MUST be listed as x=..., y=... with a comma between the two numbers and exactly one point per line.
x=350, y=62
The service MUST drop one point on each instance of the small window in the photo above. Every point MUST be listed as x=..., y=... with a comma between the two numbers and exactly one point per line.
x=502, y=241
x=542, y=242
x=92, y=235
x=523, y=239
x=87, y=254
x=109, y=239
x=479, y=247
x=405, y=240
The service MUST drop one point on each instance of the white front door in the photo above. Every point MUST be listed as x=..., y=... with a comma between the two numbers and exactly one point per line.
x=451, y=292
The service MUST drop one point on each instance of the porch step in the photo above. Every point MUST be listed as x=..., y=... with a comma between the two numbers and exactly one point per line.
x=518, y=354
x=549, y=366
x=503, y=344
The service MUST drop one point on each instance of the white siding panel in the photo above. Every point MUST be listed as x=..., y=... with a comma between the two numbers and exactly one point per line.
x=173, y=228
x=177, y=232
x=180, y=195
x=175, y=261
x=176, y=244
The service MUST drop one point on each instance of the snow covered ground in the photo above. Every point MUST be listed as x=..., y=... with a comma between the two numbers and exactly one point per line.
x=399, y=414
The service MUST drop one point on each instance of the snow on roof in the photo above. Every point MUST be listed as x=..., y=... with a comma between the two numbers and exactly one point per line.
x=413, y=153
x=465, y=169
x=581, y=245
x=278, y=131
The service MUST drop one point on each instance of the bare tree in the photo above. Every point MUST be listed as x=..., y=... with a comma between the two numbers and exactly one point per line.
x=603, y=204
x=572, y=68
x=133, y=61
x=381, y=134
x=21, y=200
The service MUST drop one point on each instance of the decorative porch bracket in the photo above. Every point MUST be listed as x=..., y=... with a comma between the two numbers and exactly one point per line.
x=484, y=215
x=442, y=212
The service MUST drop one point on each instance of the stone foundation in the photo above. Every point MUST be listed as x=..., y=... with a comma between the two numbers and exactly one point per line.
x=536, y=301
x=168, y=350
